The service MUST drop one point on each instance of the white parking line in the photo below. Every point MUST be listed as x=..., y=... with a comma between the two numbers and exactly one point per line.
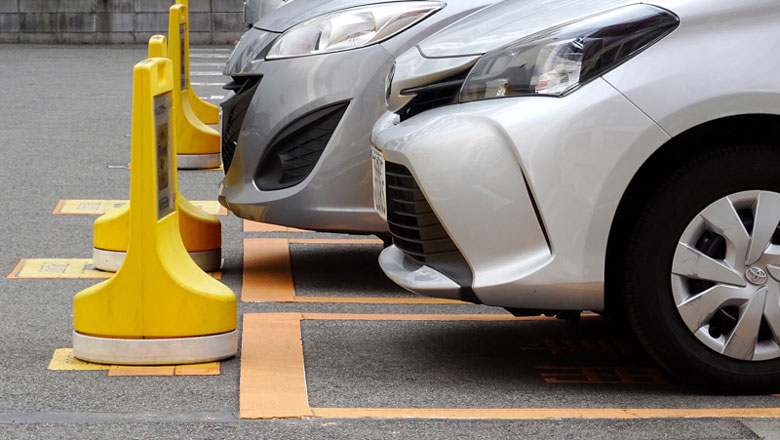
x=205, y=73
x=207, y=84
x=214, y=97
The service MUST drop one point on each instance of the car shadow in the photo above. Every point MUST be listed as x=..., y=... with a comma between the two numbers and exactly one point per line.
x=341, y=270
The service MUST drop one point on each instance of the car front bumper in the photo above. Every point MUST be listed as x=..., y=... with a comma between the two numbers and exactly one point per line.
x=526, y=188
x=336, y=193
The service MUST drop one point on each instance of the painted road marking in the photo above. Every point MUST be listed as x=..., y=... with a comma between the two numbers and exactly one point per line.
x=204, y=369
x=206, y=73
x=561, y=347
x=273, y=382
x=251, y=226
x=206, y=84
x=64, y=360
x=212, y=97
x=268, y=274
x=545, y=413
x=100, y=207
x=64, y=268
x=127, y=370
x=267, y=271
x=631, y=375
x=424, y=317
x=46, y=268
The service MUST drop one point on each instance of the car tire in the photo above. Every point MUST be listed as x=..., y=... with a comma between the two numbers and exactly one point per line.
x=692, y=313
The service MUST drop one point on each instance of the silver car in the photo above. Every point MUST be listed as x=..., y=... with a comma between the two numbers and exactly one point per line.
x=308, y=85
x=606, y=155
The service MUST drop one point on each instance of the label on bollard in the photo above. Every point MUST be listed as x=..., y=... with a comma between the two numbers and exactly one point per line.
x=183, y=55
x=162, y=122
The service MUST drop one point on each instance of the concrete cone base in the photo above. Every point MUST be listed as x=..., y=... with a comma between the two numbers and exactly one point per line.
x=198, y=161
x=155, y=351
x=111, y=261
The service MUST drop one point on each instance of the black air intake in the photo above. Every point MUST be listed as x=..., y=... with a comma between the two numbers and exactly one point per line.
x=418, y=232
x=233, y=114
x=296, y=150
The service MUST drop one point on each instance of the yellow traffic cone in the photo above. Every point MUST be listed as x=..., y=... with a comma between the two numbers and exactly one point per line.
x=160, y=308
x=201, y=231
x=199, y=145
x=207, y=113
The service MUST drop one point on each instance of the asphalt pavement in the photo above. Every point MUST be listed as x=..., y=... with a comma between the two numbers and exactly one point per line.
x=65, y=125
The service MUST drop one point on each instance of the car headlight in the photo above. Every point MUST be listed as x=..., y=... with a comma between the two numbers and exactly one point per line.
x=351, y=28
x=558, y=60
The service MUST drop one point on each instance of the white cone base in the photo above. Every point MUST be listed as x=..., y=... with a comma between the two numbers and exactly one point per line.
x=198, y=161
x=155, y=351
x=111, y=261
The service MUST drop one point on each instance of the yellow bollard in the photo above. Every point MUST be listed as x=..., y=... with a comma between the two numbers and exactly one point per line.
x=201, y=231
x=207, y=113
x=199, y=145
x=160, y=308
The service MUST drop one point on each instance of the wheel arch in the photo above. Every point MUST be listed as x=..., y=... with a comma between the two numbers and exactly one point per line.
x=744, y=128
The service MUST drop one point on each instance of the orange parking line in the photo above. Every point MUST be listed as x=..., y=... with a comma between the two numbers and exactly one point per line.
x=208, y=369
x=267, y=271
x=141, y=371
x=545, y=413
x=424, y=317
x=15, y=273
x=273, y=383
x=58, y=208
x=335, y=241
x=364, y=300
x=252, y=226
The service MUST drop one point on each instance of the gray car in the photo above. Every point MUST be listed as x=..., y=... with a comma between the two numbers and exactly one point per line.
x=309, y=82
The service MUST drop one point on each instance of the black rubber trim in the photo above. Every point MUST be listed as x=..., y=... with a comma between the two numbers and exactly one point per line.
x=430, y=96
x=234, y=112
x=536, y=211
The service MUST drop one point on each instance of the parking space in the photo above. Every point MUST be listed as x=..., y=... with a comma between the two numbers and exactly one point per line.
x=459, y=366
x=330, y=347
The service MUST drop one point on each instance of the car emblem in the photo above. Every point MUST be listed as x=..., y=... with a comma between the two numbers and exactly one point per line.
x=756, y=275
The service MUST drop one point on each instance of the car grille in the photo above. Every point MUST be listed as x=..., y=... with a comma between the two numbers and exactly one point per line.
x=438, y=94
x=419, y=234
x=415, y=228
x=296, y=150
x=233, y=114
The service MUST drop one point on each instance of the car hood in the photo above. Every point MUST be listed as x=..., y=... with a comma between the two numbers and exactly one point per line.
x=506, y=22
x=293, y=12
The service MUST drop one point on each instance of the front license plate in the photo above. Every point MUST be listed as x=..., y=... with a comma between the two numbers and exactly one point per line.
x=380, y=192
